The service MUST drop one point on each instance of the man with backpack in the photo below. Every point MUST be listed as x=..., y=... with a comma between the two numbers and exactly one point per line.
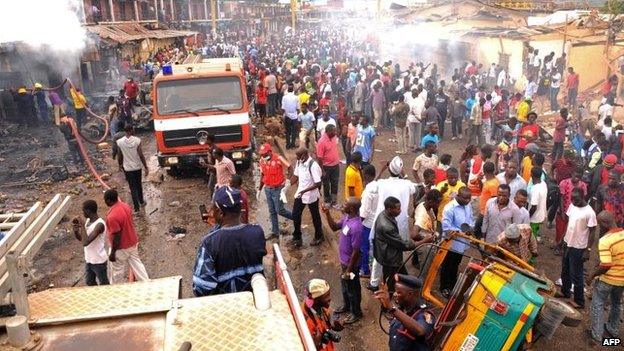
x=307, y=176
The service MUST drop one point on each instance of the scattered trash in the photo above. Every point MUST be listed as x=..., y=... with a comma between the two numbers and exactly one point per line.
x=177, y=230
x=153, y=211
x=177, y=237
x=174, y=203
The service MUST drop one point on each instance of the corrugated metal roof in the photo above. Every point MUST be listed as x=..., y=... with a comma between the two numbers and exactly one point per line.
x=123, y=33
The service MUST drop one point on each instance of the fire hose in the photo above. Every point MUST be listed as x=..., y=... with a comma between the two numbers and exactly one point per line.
x=79, y=136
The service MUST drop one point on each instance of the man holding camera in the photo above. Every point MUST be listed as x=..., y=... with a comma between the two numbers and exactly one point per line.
x=318, y=315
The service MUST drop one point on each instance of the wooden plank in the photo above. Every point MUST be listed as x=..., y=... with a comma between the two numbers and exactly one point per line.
x=45, y=224
x=7, y=226
x=21, y=226
x=10, y=216
x=17, y=265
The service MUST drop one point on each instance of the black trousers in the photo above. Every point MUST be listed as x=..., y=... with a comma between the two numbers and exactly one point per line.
x=572, y=273
x=297, y=211
x=441, y=122
x=81, y=115
x=352, y=292
x=330, y=183
x=136, y=187
x=96, y=271
x=388, y=275
x=291, y=131
x=449, y=269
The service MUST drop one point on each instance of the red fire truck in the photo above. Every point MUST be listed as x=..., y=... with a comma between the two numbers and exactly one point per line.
x=192, y=101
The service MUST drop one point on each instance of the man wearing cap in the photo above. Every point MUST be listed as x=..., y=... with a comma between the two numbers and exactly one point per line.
x=600, y=173
x=80, y=105
x=25, y=107
x=318, y=314
x=272, y=179
x=231, y=253
x=519, y=240
x=350, y=226
x=412, y=323
x=402, y=189
x=42, y=104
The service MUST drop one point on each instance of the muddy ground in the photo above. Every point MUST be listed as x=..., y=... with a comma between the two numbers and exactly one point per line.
x=175, y=201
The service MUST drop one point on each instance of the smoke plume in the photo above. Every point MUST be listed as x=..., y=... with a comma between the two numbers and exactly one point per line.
x=54, y=24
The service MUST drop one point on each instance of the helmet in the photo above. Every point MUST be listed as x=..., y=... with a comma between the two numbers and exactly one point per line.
x=21, y=91
x=38, y=85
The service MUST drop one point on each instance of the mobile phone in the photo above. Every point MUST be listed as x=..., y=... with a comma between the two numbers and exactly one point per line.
x=203, y=212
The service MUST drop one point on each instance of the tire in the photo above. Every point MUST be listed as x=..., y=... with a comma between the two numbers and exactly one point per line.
x=572, y=317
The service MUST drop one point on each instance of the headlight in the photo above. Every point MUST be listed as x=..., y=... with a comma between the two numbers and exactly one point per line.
x=238, y=154
x=172, y=160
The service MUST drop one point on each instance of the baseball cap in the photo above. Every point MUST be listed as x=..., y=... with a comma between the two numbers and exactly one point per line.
x=227, y=199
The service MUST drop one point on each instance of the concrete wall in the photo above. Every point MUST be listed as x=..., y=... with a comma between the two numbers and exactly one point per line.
x=588, y=61
x=486, y=50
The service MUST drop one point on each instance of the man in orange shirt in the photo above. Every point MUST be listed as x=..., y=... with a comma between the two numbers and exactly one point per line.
x=488, y=191
x=318, y=315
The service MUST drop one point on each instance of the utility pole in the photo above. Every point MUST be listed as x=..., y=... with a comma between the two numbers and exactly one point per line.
x=378, y=9
x=213, y=13
x=293, y=14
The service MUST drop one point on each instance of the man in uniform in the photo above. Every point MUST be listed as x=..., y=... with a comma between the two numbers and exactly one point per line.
x=412, y=323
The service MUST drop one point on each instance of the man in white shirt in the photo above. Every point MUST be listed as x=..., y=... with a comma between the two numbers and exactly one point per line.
x=537, y=203
x=578, y=240
x=130, y=159
x=368, y=209
x=307, y=176
x=502, y=79
x=492, y=76
x=402, y=189
x=324, y=121
x=92, y=235
x=555, y=84
x=290, y=102
x=414, y=126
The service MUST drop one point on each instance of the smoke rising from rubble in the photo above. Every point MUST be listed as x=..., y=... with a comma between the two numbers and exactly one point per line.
x=51, y=23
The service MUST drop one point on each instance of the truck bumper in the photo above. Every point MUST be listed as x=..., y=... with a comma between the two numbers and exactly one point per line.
x=240, y=157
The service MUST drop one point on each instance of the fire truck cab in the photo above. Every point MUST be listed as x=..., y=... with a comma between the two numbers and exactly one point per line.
x=192, y=101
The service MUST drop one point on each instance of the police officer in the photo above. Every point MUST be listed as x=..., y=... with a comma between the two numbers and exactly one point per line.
x=412, y=324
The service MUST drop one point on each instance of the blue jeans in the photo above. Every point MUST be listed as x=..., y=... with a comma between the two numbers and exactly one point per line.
x=365, y=251
x=601, y=292
x=572, y=273
x=554, y=105
x=276, y=207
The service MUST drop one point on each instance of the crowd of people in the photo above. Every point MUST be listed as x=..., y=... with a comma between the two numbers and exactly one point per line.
x=336, y=98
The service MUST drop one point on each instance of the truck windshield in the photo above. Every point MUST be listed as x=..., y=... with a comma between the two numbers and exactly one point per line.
x=199, y=94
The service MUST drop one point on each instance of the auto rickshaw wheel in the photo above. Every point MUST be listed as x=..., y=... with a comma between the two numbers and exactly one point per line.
x=571, y=316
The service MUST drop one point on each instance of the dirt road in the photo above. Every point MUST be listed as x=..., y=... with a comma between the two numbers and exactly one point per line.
x=175, y=201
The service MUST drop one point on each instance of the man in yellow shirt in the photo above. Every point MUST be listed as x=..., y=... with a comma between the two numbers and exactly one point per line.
x=523, y=110
x=353, y=177
x=449, y=188
x=304, y=97
x=80, y=104
x=610, y=284
x=527, y=162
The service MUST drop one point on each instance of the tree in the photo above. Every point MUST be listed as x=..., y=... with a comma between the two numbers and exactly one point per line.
x=615, y=7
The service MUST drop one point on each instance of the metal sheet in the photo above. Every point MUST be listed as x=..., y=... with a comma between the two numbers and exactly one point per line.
x=231, y=322
x=91, y=302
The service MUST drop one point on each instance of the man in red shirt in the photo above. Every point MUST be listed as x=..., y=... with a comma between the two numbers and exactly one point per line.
x=123, y=240
x=273, y=181
x=327, y=155
x=572, y=84
x=132, y=90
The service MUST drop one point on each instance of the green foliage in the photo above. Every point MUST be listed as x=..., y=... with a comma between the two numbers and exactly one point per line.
x=615, y=7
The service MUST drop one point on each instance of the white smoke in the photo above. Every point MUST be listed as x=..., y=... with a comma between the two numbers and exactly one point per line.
x=51, y=24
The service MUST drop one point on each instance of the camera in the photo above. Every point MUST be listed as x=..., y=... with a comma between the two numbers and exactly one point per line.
x=330, y=335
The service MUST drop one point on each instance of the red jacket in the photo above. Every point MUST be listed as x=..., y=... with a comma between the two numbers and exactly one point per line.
x=132, y=89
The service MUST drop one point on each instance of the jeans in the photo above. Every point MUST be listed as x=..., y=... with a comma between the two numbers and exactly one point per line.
x=365, y=251
x=297, y=211
x=572, y=93
x=388, y=276
x=400, y=136
x=136, y=187
x=414, y=130
x=352, y=293
x=554, y=105
x=93, y=270
x=601, y=292
x=441, y=121
x=456, y=126
x=291, y=131
x=276, y=207
x=272, y=104
x=572, y=273
x=449, y=269
x=557, y=151
x=330, y=183
x=476, y=133
x=344, y=140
